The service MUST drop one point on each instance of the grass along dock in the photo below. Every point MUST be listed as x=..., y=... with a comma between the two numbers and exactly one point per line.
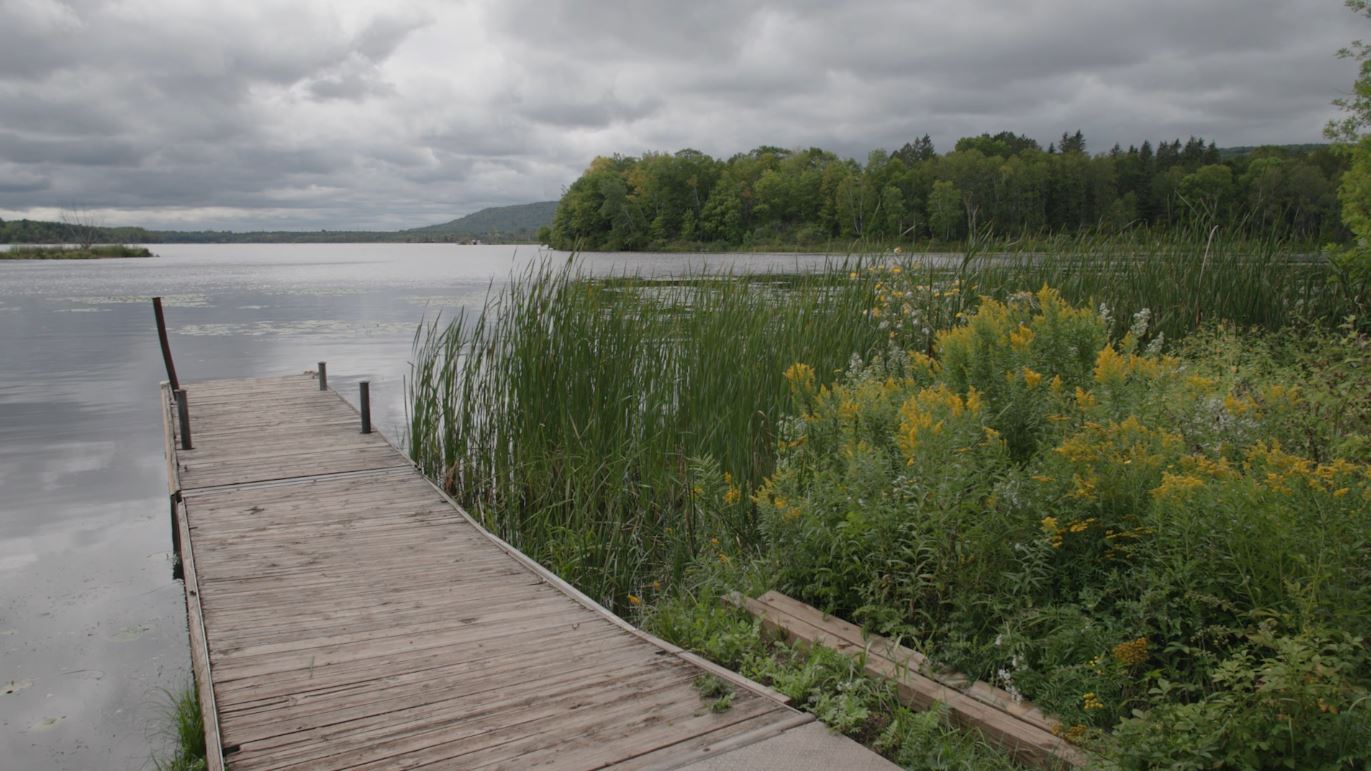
x=344, y=613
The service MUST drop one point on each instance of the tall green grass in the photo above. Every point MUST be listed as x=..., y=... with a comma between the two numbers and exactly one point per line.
x=1184, y=279
x=569, y=415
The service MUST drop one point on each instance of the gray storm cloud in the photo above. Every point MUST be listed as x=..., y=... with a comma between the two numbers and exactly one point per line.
x=266, y=114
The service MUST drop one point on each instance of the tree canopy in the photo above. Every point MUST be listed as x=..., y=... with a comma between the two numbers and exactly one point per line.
x=1003, y=184
x=1354, y=191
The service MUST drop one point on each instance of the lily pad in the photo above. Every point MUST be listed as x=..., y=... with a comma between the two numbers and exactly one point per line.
x=47, y=723
x=131, y=633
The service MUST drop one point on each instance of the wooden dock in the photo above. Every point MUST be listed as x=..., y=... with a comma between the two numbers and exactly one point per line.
x=345, y=613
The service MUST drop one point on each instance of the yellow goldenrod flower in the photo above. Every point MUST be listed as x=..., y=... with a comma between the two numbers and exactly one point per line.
x=1021, y=337
x=1083, y=487
x=801, y=376
x=1239, y=406
x=1084, y=399
x=1082, y=526
x=1131, y=653
x=974, y=403
x=1031, y=378
x=1176, y=486
x=1110, y=367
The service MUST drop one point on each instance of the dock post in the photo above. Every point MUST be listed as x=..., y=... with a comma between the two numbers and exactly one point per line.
x=166, y=345
x=323, y=376
x=365, y=387
x=183, y=414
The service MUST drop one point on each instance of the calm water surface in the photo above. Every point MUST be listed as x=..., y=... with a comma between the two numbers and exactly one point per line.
x=92, y=626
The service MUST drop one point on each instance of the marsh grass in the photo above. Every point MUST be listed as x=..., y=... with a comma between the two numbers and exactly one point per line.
x=1184, y=280
x=182, y=731
x=569, y=414
x=105, y=251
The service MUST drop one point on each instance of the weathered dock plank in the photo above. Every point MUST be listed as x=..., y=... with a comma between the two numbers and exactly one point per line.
x=345, y=613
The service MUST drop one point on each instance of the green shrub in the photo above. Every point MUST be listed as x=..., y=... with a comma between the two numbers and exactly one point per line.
x=1084, y=520
x=1280, y=701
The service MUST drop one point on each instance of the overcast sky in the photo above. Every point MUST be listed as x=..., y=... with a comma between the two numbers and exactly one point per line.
x=305, y=114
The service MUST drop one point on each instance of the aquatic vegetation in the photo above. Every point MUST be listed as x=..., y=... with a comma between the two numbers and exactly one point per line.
x=183, y=731
x=96, y=252
x=575, y=416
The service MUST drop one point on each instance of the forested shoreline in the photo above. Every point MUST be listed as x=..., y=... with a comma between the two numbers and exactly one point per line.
x=999, y=186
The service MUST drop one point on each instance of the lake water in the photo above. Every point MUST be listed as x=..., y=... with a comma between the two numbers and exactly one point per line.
x=92, y=626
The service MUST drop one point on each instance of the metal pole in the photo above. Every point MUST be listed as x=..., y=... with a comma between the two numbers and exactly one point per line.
x=183, y=413
x=365, y=387
x=323, y=376
x=166, y=345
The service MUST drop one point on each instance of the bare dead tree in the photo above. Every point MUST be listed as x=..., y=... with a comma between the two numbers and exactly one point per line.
x=83, y=226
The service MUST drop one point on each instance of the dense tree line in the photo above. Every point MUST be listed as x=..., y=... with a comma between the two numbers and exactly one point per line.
x=1003, y=185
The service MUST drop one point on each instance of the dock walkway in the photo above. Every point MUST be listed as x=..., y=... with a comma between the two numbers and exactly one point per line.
x=345, y=613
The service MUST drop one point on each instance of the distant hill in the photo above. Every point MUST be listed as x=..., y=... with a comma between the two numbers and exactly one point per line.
x=498, y=224
x=502, y=223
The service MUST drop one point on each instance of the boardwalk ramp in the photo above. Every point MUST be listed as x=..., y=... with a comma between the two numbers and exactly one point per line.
x=345, y=613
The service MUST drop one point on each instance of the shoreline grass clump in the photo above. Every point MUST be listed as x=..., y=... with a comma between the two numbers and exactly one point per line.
x=183, y=731
x=575, y=416
x=101, y=252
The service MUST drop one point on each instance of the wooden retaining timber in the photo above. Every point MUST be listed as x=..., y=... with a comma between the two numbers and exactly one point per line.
x=344, y=612
x=1018, y=727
